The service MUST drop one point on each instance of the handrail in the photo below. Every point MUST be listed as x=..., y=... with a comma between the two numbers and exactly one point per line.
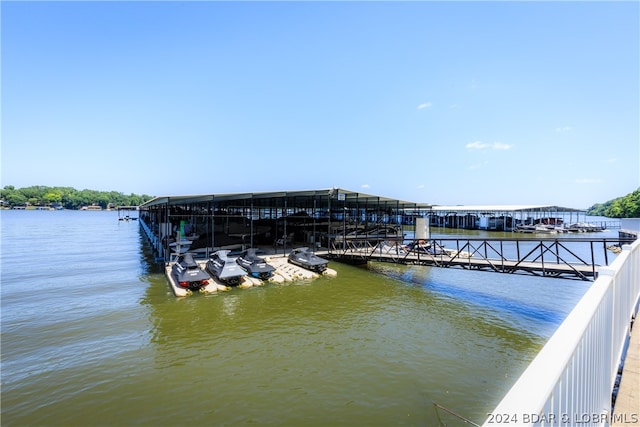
x=551, y=257
x=571, y=380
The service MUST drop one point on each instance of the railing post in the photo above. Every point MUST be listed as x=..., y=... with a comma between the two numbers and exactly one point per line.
x=610, y=273
x=593, y=259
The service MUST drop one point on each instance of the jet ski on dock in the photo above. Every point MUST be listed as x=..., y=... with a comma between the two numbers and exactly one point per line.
x=254, y=265
x=224, y=268
x=188, y=274
x=304, y=258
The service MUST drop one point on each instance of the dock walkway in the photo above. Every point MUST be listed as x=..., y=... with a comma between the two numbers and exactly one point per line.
x=468, y=261
x=626, y=411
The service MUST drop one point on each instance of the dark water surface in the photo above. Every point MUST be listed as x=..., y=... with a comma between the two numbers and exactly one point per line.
x=92, y=335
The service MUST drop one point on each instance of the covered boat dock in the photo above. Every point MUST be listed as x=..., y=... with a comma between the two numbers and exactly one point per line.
x=503, y=217
x=273, y=221
x=355, y=227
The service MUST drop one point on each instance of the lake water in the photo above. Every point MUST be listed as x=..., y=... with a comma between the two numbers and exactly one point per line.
x=92, y=335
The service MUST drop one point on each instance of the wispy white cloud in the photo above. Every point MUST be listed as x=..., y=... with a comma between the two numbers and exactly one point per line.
x=588, y=181
x=479, y=145
x=424, y=105
x=564, y=129
x=365, y=186
x=501, y=146
x=420, y=186
x=612, y=160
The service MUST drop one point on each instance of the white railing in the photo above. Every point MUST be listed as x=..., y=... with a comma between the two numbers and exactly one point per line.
x=570, y=381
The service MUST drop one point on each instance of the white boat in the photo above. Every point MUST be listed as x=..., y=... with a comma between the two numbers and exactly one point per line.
x=583, y=227
x=373, y=234
x=545, y=229
x=537, y=228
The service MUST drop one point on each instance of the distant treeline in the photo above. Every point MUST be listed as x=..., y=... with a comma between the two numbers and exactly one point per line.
x=67, y=197
x=623, y=207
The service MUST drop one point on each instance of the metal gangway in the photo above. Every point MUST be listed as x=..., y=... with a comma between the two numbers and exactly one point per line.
x=561, y=257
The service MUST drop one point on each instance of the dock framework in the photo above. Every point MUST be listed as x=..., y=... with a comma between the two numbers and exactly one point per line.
x=350, y=227
x=568, y=258
x=278, y=221
x=508, y=217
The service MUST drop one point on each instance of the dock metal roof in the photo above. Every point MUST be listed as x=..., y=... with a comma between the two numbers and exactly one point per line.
x=292, y=198
x=504, y=208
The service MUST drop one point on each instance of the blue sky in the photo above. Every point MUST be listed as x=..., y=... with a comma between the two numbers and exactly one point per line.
x=435, y=102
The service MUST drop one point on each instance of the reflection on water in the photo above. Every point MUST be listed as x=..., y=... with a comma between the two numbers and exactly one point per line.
x=526, y=302
x=362, y=348
x=373, y=346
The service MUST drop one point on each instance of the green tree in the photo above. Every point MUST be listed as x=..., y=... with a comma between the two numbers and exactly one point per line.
x=52, y=197
x=623, y=207
x=7, y=192
x=68, y=197
x=16, y=198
